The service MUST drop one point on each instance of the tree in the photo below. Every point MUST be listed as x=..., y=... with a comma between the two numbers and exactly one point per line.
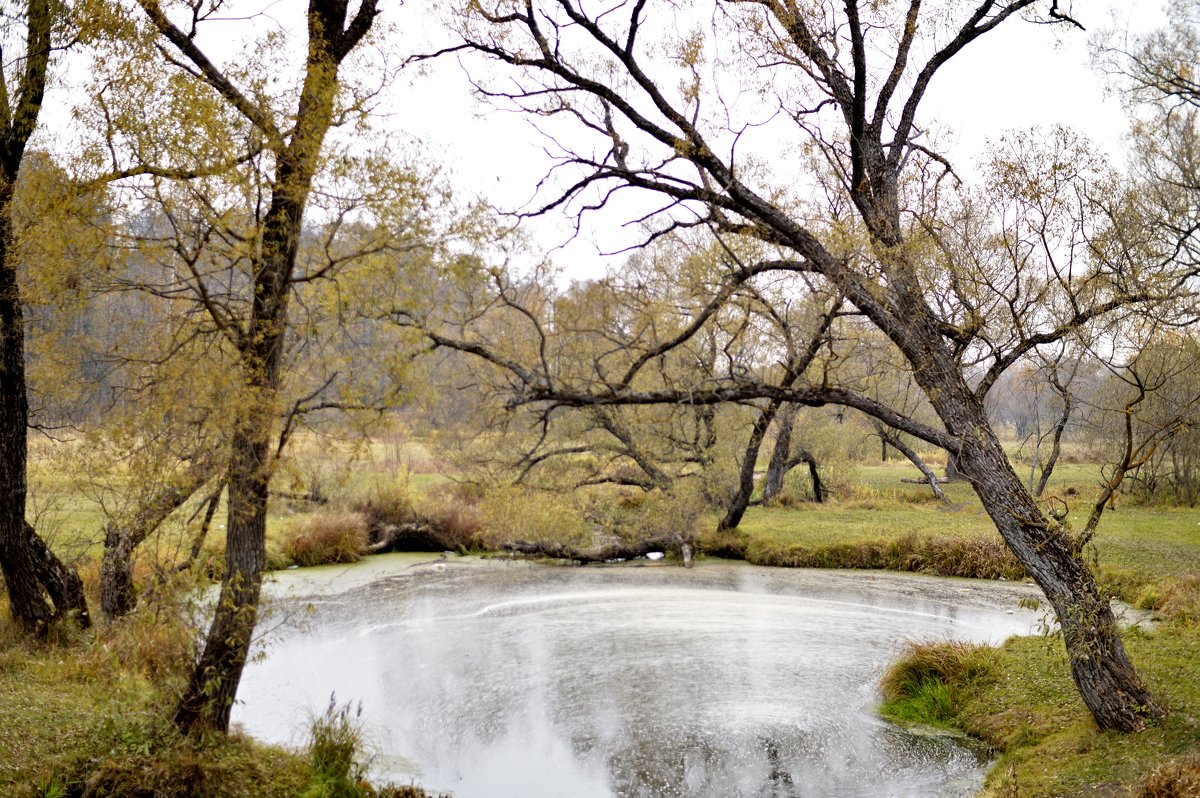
x=31, y=570
x=290, y=144
x=658, y=123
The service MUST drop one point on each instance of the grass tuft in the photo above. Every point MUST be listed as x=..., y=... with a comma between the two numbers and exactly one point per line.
x=922, y=687
x=328, y=538
x=334, y=747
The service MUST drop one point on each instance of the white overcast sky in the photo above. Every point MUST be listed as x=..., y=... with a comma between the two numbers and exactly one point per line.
x=1019, y=76
x=1016, y=77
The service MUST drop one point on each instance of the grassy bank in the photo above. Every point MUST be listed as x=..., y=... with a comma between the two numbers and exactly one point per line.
x=89, y=717
x=1020, y=699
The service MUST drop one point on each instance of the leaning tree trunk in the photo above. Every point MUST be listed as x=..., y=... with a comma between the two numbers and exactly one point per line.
x=208, y=700
x=899, y=445
x=1100, y=666
x=122, y=536
x=745, y=489
x=1060, y=426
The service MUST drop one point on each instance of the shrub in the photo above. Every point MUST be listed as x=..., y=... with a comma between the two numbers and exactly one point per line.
x=328, y=538
x=518, y=513
x=454, y=513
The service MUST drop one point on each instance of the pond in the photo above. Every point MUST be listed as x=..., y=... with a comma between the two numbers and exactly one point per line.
x=493, y=678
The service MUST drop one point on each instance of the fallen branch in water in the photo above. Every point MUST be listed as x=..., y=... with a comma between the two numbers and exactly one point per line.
x=597, y=554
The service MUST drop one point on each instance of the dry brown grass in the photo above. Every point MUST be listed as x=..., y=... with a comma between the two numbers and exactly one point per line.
x=973, y=557
x=1176, y=778
x=339, y=537
x=1176, y=600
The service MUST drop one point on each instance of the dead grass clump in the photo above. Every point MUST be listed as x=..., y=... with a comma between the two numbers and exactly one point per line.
x=510, y=513
x=455, y=516
x=339, y=537
x=1176, y=601
x=974, y=557
x=1175, y=778
x=387, y=507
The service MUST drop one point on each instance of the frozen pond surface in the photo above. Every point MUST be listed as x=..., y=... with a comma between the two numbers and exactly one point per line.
x=493, y=679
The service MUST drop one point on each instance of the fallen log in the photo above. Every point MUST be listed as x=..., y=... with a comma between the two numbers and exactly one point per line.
x=598, y=554
x=922, y=480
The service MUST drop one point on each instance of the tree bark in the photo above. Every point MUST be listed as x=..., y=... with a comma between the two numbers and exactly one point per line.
x=1060, y=426
x=777, y=468
x=741, y=499
x=899, y=445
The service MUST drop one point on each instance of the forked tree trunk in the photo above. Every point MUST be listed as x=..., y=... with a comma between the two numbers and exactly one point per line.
x=122, y=536
x=777, y=468
x=785, y=457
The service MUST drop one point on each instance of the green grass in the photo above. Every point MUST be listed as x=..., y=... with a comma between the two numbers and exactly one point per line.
x=1135, y=545
x=1023, y=703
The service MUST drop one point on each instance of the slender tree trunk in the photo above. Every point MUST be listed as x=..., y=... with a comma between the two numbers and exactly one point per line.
x=785, y=457
x=814, y=474
x=607, y=418
x=777, y=468
x=899, y=445
x=741, y=499
x=1056, y=442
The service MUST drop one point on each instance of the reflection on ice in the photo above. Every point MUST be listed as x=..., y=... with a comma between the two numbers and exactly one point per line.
x=494, y=679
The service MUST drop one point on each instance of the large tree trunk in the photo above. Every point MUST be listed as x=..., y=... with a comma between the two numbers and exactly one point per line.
x=208, y=700
x=26, y=601
x=32, y=573
x=1100, y=666
x=209, y=696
